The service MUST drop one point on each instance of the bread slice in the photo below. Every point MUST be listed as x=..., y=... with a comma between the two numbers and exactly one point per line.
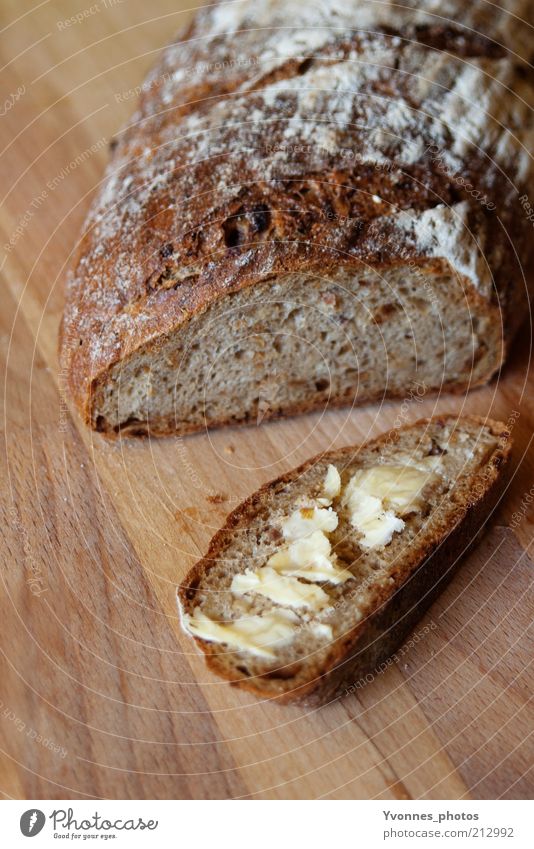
x=293, y=603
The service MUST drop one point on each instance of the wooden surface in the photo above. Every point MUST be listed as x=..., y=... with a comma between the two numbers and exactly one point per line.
x=101, y=694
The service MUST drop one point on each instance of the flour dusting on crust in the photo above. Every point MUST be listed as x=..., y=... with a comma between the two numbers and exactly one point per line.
x=330, y=134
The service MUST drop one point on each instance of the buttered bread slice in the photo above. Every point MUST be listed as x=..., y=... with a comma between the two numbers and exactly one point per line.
x=315, y=579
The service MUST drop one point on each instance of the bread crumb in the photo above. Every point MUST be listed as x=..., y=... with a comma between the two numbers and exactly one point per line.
x=217, y=498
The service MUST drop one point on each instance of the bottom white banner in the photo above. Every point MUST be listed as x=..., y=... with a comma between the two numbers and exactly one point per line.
x=268, y=825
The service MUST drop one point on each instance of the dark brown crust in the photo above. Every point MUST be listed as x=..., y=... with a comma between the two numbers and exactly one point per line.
x=417, y=582
x=314, y=212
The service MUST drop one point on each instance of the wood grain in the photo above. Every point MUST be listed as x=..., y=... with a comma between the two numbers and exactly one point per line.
x=101, y=694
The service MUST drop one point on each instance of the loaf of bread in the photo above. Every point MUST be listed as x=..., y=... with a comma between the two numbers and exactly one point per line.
x=316, y=579
x=314, y=204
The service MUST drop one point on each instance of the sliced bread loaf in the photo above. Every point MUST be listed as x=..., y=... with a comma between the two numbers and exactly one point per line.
x=316, y=578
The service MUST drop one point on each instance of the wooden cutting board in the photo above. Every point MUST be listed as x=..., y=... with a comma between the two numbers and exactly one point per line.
x=101, y=694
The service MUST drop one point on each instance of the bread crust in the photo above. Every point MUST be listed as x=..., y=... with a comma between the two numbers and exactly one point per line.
x=417, y=581
x=178, y=225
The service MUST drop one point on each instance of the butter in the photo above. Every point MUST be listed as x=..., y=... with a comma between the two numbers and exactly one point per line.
x=307, y=555
x=282, y=589
x=376, y=525
x=254, y=634
x=310, y=558
x=306, y=520
x=398, y=486
x=431, y=463
x=378, y=497
x=331, y=486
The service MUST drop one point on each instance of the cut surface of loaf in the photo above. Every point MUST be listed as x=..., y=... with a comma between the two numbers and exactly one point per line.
x=301, y=341
x=315, y=579
x=306, y=211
